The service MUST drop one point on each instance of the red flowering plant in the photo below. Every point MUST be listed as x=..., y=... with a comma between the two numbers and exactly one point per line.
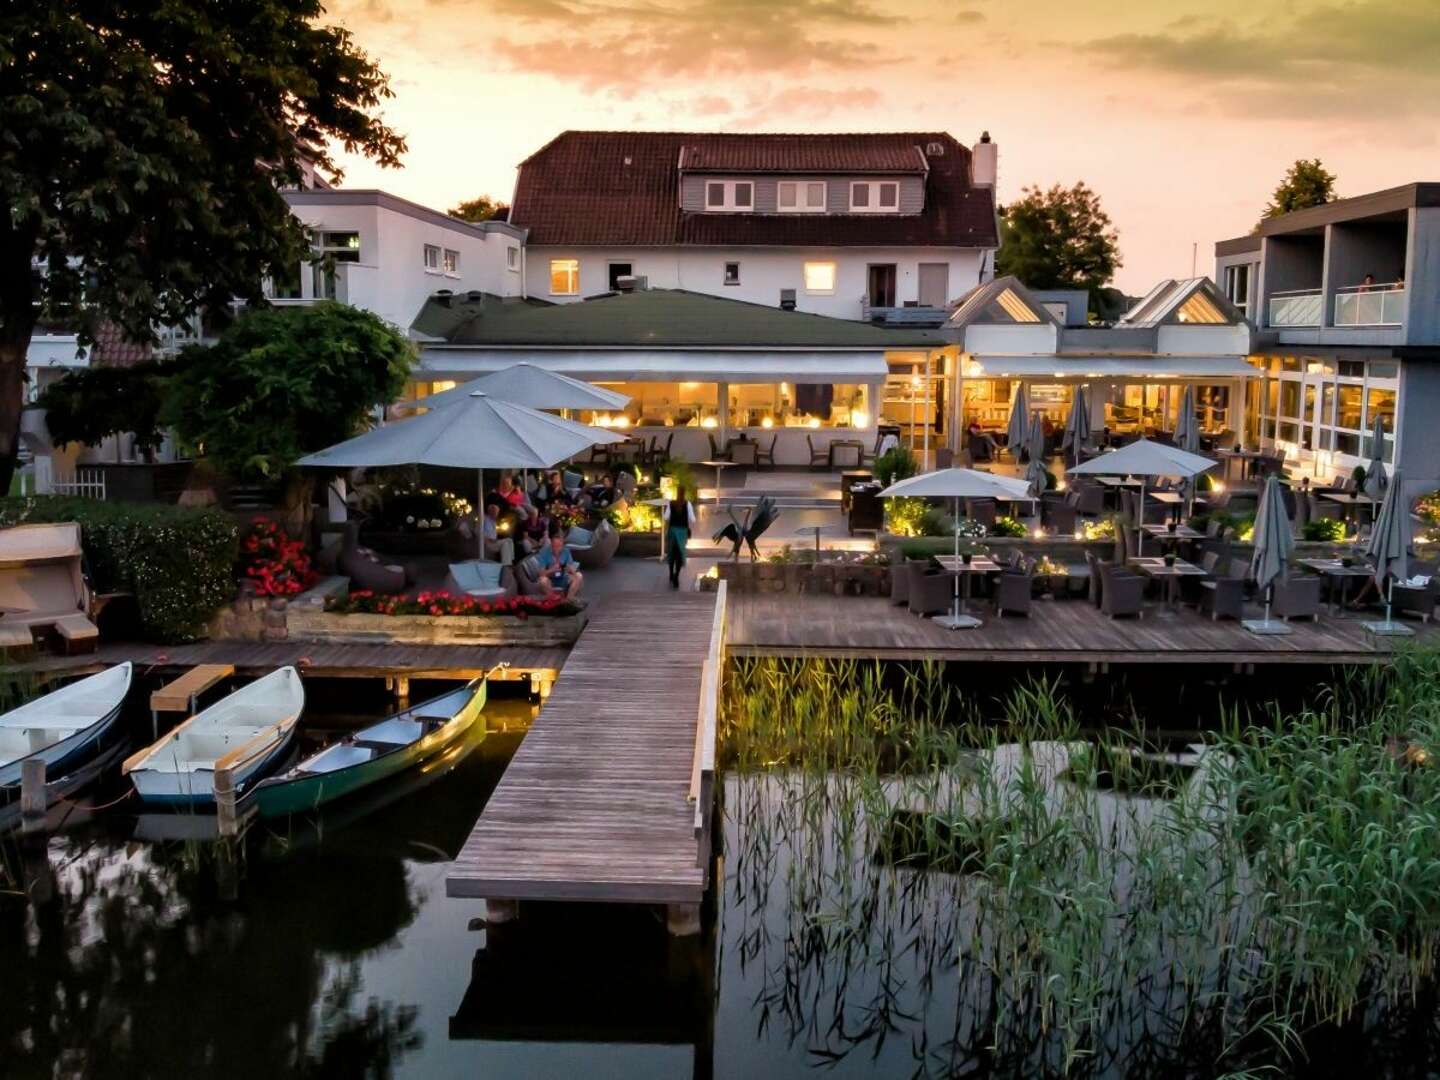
x=567, y=517
x=365, y=602
x=276, y=564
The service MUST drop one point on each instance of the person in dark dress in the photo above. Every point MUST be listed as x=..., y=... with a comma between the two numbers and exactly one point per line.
x=679, y=518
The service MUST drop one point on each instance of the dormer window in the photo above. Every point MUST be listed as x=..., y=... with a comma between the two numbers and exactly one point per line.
x=800, y=197
x=730, y=195
x=875, y=196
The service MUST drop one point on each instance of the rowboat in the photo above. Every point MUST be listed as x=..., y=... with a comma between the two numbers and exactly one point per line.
x=245, y=733
x=64, y=728
x=371, y=754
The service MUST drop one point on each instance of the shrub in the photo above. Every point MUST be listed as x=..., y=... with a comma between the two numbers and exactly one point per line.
x=277, y=565
x=936, y=522
x=1100, y=529
x=895, y=464
x=179, y=562
x=366, y=602
x=1007, y=526
x=905, y=517
x=1331, y=529
x=1427, y=508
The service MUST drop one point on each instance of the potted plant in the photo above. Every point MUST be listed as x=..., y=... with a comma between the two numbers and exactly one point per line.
x=1169, y=558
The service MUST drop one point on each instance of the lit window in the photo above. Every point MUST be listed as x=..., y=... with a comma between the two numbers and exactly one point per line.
x=819, y=277
x=1200, y=309
x=339, y=246
x=452, y=261
x=565, y=277
x=733, y=195
x=801, y=196
x=1016, y=308
x=875, y=196
x=512, y=258
x=432, y=257
x=732, y=273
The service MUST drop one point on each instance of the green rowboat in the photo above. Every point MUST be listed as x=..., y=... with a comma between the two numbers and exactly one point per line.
x=372, y=754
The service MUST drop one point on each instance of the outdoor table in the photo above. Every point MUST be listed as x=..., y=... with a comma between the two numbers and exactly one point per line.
x=627, y=452
x=1340, y=574
x=847, y=448
x=1171, y=499
x=1180, y=532
x=979, y=564
x=1351, y=501
x=1230, y=457
x=816, y=531
x=1156, y=569
x=717, y=466
x=658, y=503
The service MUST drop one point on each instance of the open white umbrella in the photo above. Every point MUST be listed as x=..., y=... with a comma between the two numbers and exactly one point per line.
x=958, y=484
x=1016, y=431
x=1375, y=480
x=1035, y=472
x=1388, y=550
x=1077, y=423
x=482, y=432
x=536, y=387
x=1145, y=458
x=1274, y=541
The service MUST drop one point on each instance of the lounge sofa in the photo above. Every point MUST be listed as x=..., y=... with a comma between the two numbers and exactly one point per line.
x=480, y=579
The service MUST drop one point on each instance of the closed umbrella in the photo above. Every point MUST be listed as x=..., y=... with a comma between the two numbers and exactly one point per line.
x=482, y=432
x=1388, y=550
x=1077, y=424
x=1274, y=541
x=1035, y=472
x=957, y=484
x=534, y=386
x=1019, y=412
x=1145, y=458
x=1187, y=437
x=1375, y=481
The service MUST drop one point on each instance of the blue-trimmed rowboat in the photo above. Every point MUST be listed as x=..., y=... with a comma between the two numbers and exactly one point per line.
x=371, y=754
x=65, y=728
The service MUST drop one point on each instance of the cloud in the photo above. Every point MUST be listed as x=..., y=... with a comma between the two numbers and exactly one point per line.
x=969, y=15
x=710, y=105
x=1375, y=58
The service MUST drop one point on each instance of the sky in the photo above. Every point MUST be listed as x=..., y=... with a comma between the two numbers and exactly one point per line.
x=1182, y=115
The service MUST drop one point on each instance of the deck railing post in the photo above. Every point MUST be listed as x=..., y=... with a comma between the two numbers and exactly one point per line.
x=226, y=821
x=32, y=795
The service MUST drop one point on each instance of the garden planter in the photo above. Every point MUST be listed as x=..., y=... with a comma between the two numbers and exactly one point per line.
x=640, y=545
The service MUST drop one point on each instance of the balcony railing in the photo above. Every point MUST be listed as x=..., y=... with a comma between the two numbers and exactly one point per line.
x=1370, y=305
x=1302, y=307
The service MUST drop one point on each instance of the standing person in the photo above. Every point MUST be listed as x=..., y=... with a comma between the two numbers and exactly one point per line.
x=679, y=518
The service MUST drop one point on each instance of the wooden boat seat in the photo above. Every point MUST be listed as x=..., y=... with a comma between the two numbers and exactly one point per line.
x=76, y=628
x=56, y=721
x=393, y=732
x=340, y=756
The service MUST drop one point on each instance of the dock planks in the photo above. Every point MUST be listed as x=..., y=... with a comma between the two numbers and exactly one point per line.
x=594, y=805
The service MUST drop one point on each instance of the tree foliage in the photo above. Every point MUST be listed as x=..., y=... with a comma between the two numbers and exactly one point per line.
x=142, y=152
x=1058, y=239
x=90, y=404
x=281, y=383
x=480, y=208
x=1306, y=183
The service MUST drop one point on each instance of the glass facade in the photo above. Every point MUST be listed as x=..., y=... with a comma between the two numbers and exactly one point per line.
x=1319, y=411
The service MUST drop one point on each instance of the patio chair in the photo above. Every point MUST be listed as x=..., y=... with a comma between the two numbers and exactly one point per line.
x=481, y=579
x=982, y=510
x=900, y=580
x=1297, y=598
x=1123, y=592
x=764, y=455
x=716, y=454
x=1012, y=592
x=593, y=548
x=1220, y=593
x=1096, y=584
x=744, y=452
x=930, y=594
x=658, y=455
x=363, y=566
x=818, y=458
x=1417, y=599
x=1090, y=500
x=1060, y=516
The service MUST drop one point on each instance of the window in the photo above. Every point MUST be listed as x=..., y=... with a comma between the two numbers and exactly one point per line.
x=799, y=405
x=564, y=277
x=332, y=248
x=615, y=272
x=732, y=273
x=1237, y=286
x=512, y=259
x=1349, y=407
x=729, y=195
x=452, y=261
x=432, y=258
x=801, y=196
x=874, y=196
x=819, y=277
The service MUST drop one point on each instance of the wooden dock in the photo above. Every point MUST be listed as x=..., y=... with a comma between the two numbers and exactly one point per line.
x=1063, y=631
x=607, y=797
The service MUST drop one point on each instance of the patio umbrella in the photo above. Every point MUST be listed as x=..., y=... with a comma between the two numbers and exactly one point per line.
x=1388, y=549
x=1187, y=437
x=958, y=484
x=1077, y=424
x=1035, y=472
x=1145, y=458
x=1015, y=433
x=482, y=432
x=1375, y=481
x=533, y=386
x=1274, y=541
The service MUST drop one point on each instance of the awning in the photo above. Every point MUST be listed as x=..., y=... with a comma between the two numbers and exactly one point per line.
x=664, y=365
x=1110, y=367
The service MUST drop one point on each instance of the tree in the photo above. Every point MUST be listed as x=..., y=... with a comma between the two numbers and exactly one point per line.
x=1306, y=183
x=282, y=383
x=480, y=208
x=1058, y=239
x=143, y=151
x=90, y=404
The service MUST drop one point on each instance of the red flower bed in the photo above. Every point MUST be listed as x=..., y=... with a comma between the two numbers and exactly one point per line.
x=277, y=565
x=365, y=602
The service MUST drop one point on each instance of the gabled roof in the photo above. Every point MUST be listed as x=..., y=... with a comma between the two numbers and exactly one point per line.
x=622, y=188
x=1001, y=302
x=1193, y=302
x=654, y=318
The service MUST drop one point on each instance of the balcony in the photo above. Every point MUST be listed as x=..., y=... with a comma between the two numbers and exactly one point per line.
x=1301, y=307
x=1370, y=305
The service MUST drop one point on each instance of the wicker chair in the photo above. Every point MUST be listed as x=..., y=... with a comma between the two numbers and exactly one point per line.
x=1220, y=593
x=929, y=594
x=1123, y=592
x=900, y=580
x=1012, y=593
x=1297, y=598
x=1417, y=599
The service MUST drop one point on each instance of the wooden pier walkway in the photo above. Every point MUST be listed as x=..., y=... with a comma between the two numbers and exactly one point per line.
x=607, y=798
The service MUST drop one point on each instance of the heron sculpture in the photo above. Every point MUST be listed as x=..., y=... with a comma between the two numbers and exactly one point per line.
x=749, y=529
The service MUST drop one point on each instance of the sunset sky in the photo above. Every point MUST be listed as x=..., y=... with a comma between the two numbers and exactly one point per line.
x=1182, y=115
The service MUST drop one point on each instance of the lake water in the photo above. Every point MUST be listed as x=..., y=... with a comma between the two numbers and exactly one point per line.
x=329, y=949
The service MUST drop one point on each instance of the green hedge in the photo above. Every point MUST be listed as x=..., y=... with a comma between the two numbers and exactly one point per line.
x=179, y=562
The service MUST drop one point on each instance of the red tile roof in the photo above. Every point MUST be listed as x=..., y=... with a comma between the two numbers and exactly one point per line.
x=114, y=348
x=622, y=188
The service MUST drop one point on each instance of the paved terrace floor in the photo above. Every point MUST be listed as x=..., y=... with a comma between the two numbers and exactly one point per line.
x=784, y=624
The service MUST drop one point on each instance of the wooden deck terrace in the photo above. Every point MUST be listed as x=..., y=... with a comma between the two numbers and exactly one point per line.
x=1055, y=631
x=607, y=798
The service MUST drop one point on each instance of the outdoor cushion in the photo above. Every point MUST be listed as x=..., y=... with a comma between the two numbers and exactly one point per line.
x=572, y=481
x=477, y=578
x=578, y=537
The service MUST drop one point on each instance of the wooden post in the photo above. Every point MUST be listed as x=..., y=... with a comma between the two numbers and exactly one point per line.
x=32, y=795
x=226, y=821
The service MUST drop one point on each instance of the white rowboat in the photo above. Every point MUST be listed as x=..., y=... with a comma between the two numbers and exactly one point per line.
x=64, y=727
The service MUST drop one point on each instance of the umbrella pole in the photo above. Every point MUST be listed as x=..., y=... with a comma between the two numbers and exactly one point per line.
x=1140, y=524
x=955, y=605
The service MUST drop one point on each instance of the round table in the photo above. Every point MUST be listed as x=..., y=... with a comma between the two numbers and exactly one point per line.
x=718, y=466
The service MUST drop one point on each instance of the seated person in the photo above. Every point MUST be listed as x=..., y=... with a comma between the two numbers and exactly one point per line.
x=603, y=494
x=532, y=528
x=494, y=547
x=558, y=566
x=552, y=492
x=510, y=494
x=982, y=443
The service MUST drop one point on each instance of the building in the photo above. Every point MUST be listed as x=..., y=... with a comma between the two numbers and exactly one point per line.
x=864, y=226
x=1345, y=298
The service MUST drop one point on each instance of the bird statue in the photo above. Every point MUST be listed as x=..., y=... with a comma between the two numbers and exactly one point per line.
x=757, y=519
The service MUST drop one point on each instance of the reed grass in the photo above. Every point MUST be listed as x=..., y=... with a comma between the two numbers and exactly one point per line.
x=991, y=878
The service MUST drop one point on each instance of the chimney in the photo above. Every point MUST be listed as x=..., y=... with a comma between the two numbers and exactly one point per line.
x=442, y=297
x=983, y=161
x=787, y=299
